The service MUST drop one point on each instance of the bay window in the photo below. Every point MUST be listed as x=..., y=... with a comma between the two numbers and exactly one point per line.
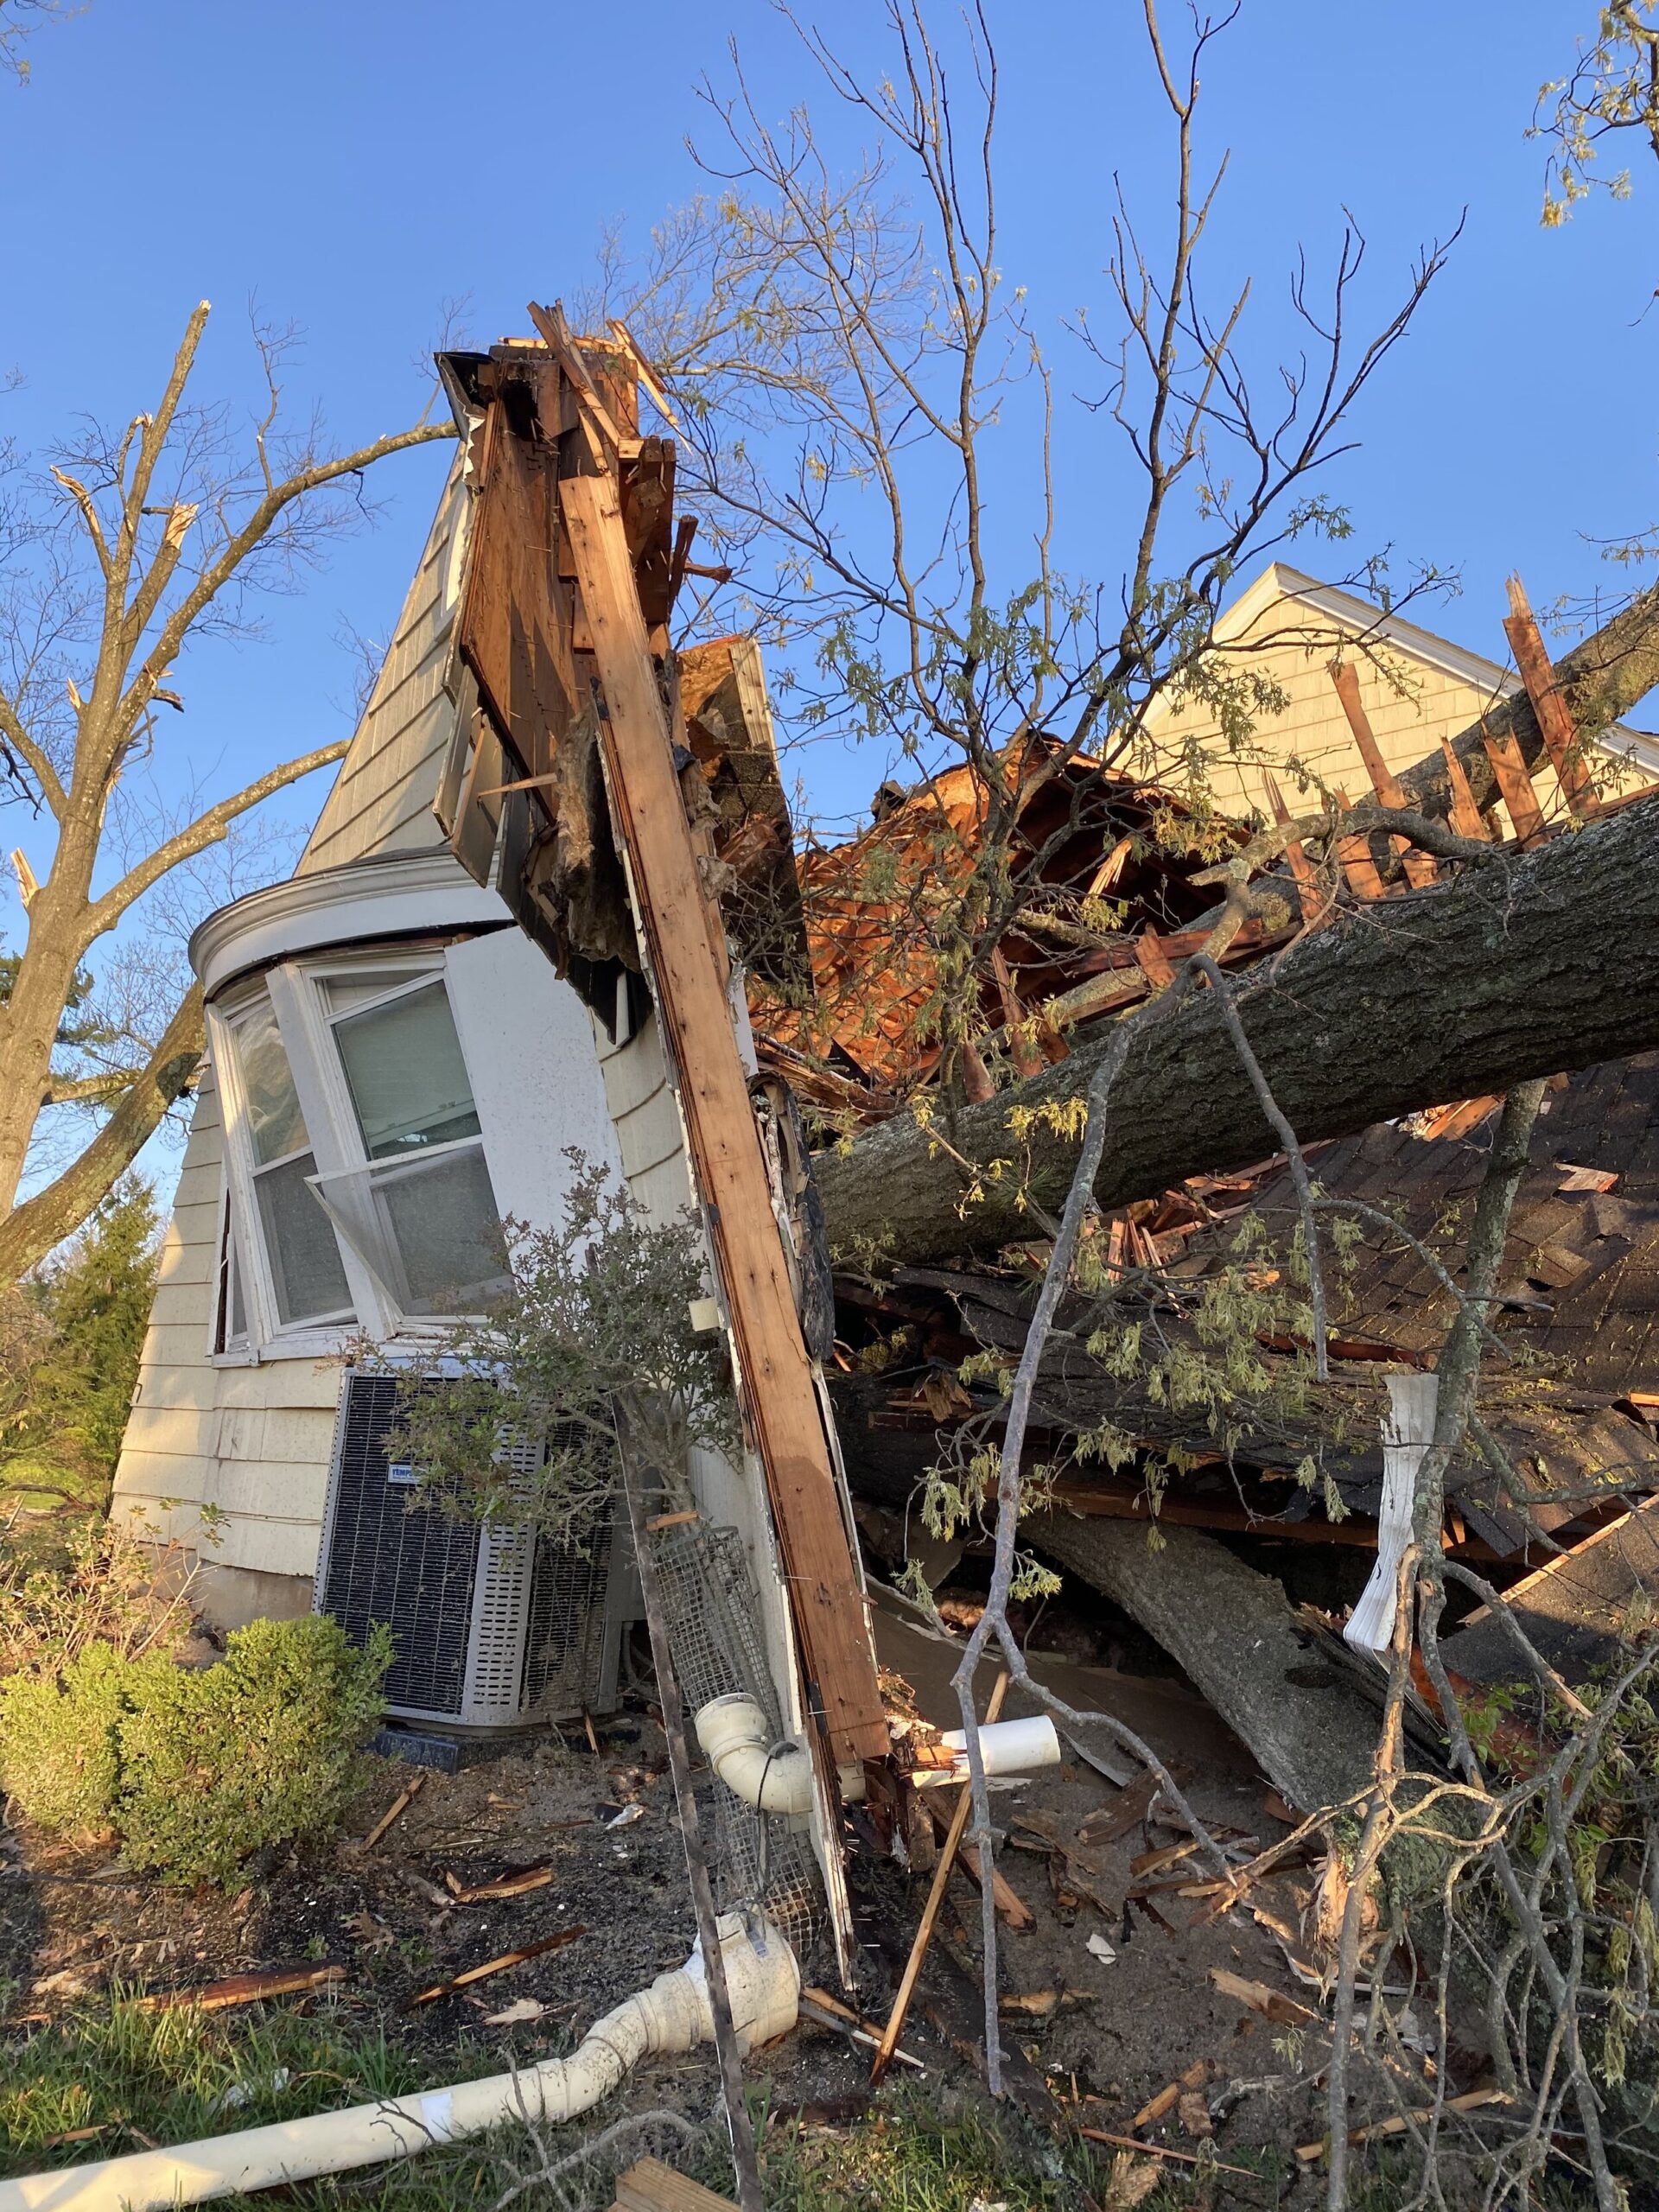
x=308, y=1282
x=356, y=1145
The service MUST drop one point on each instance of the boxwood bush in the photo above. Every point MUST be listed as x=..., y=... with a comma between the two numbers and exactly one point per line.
x=196, y=1769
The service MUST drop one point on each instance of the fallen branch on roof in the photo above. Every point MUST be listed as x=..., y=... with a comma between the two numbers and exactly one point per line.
x=1545, y=962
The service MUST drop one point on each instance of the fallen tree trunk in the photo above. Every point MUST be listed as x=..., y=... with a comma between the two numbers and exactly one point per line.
x=1234, y=1633
x=1535, y=964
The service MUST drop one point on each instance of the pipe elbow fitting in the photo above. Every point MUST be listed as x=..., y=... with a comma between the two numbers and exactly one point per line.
x=772, y=1777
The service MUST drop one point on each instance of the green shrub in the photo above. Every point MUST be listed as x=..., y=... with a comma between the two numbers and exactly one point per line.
x=259, y=1749
x=195, y=1769
x=59, y=1753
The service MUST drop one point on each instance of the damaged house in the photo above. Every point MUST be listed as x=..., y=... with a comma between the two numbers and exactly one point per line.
x=517, y=930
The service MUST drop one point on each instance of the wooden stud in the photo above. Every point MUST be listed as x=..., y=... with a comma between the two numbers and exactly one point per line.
x=947, y=1850
x=1354, y=856
x=1418, y=868
x=1555, y=721
x=1155, y=964
x=1110, y=869
x=1027, y=1060
x=976, y=1076
x=1314, y=903
x=1515, y=785
x=675, y=913
x=1466, y=817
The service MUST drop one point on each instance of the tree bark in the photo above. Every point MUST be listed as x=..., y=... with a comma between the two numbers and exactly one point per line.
x=1536, y=963
x=1236, y=1635
x=29, y=1232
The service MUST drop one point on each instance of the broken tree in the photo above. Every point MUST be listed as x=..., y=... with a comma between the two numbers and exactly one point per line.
x=1533, y=963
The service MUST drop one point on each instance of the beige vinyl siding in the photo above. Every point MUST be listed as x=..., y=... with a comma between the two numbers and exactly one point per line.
x=254, y=1442
x=646, y=1117
x=382, y=798
x=1415, y=691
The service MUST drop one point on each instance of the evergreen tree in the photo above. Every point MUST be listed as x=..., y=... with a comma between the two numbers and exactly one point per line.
x=69, y=1358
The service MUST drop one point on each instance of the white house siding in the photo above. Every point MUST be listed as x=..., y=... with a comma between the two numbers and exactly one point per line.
x=255, y=1442
x=252, y=1442
x=1438, y=689
x=382, y=798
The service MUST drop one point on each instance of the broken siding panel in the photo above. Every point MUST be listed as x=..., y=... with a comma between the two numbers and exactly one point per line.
x=646, y=1118
x=381, y=800
x=292, y=1383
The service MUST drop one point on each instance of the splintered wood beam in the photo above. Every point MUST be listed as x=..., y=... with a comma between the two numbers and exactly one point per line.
x=1354, y=856
x=1344, y=677
x=1155, y=964
x=1510, y=768
x=1467, y=818
x=1027, y=1058
x=1560, y=740
x=775, y=1377
x=1314, y=902
x=931, y=1910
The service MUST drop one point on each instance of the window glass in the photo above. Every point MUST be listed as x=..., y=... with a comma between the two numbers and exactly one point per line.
x=339, y=992
x=275, y=1125
x=300, y=1247
x=407, y=1080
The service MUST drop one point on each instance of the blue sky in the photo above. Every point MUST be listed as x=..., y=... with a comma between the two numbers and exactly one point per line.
x=357, y=166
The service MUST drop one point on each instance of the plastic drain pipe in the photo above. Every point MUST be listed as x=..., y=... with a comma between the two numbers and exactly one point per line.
x=773, y=1777
x=672, y=2016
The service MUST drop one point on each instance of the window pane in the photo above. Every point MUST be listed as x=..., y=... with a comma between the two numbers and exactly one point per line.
x=276, y=1124
x=408, y=1079
x=443, y=1220
x=339, y=992
x=299, y=1245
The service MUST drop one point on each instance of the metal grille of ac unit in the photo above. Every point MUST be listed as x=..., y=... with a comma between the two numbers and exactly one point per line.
x=414, y=1571
x=494, y=1625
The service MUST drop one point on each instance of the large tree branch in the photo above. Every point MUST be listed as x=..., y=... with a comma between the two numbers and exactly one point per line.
x=30, y=1230
x=1546, y=961
x=221, y=571
x=16, y=736
x=207, y=829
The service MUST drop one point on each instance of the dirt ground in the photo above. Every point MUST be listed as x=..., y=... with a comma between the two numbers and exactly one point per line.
x=71, y=1926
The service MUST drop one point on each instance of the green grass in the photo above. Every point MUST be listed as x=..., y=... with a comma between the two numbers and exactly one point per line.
x=174, y=2076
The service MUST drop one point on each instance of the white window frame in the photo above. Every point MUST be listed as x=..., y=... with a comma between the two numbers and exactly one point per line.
x=305, y=1025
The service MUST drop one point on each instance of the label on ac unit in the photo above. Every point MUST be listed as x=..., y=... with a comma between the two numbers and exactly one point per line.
x=399, y=1470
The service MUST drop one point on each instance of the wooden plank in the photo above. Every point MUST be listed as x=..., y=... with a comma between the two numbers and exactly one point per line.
x=1418, y=868
x=1513, y=781
x=1155, y=964
x=947, y=1850
x=775, y=1375
x=1554, y=720
x=1027, y=1060
x=1313, y=903
x=1354, y=858
x=1465, y=814
x=650, y=2186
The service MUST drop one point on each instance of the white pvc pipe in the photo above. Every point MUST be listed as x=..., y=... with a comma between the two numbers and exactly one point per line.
x=773, y=1777
x=1009, y=1746
x=672, y=2016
